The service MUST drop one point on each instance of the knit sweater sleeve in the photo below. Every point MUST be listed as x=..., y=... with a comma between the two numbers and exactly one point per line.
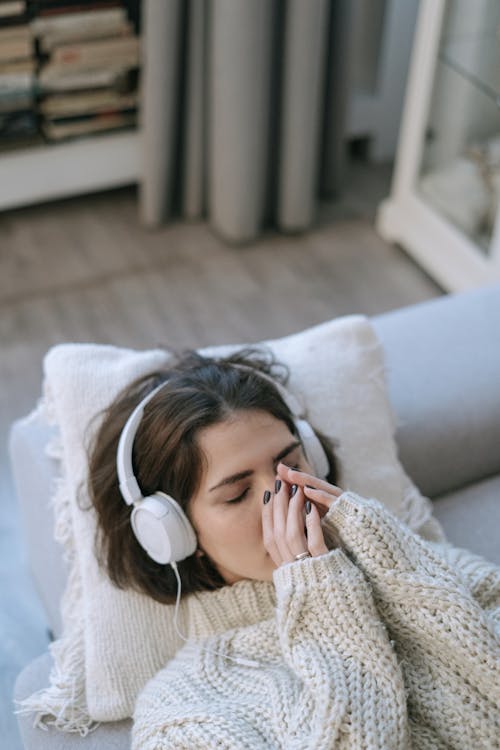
x=332, y=638
x=480, y=576
x=441, y=620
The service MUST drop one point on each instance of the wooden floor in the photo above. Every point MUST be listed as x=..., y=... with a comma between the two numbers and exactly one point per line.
x=84, y=270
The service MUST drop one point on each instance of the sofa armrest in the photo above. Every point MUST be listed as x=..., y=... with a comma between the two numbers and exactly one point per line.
x=443, y=367
x=34, y=476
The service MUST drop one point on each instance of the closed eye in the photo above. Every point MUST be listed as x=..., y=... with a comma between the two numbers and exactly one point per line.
x=239, y=498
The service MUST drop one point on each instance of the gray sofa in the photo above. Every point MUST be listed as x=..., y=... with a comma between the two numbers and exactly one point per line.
x=443, y=362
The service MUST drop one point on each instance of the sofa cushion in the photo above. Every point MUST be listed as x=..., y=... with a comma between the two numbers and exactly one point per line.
x=471, y=517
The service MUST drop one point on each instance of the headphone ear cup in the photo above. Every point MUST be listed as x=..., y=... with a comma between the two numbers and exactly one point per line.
x=313, y=449
x=162, y=529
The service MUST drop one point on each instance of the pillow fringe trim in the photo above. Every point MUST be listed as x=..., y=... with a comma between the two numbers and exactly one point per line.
x=63, y=703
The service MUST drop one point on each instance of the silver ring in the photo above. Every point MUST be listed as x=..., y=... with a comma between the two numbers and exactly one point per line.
x=303, y=555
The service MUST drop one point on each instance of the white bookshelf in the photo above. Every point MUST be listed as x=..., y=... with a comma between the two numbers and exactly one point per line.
x=51, y=171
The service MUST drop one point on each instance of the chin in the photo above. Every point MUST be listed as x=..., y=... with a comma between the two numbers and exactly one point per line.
x=267, y=573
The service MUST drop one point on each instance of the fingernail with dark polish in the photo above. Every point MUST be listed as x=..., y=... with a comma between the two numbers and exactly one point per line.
x=308, y=506
x=293, y=490
x=267, y=497
x=277, y=486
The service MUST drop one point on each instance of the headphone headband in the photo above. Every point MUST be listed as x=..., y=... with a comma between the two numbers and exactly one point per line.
x=128, y=483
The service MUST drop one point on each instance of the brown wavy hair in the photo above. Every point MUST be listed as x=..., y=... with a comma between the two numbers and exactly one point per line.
x=199, y=391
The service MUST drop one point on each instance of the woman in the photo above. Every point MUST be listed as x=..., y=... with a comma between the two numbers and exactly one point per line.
x=315, y=619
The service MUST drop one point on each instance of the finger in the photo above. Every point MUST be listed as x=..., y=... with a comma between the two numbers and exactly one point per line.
x=268, y=529
x=295, y=535
x=301, y=478
x=323, y=500
x=326, y=495
x=280, y=514
x=315, y=539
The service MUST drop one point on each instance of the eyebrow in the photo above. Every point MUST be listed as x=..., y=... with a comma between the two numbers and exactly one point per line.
x=243, y=474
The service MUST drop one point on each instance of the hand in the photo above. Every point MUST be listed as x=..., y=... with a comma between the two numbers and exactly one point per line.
x=283, y=526
x=318, y=491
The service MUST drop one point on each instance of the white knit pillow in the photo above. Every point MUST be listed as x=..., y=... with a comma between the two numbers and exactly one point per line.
x=114, y=641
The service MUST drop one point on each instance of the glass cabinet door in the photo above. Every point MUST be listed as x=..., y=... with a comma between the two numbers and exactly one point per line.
x=460, y=167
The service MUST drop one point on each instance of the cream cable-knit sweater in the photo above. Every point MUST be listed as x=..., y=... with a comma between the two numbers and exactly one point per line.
x=387, y=643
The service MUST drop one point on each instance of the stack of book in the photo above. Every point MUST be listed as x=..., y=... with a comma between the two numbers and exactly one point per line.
x=89, y=64
x=18, y=120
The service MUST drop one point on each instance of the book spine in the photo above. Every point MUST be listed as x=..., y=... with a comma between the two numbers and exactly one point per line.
x=15, y=33
x=15, y=82
x=126, y=49
x=12, y=8
x=50, y=41
x=15, y=50
x=75, y=21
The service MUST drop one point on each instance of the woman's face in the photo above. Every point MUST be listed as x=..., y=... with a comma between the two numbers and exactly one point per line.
x=242, y=454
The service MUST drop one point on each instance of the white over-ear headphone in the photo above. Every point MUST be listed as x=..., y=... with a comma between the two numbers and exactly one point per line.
x=159, y=523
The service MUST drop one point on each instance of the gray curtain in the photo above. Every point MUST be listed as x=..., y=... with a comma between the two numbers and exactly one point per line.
x=243, y=109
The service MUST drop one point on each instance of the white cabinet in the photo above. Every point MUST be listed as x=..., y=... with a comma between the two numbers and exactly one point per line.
x=443, y=207
x=89, y=164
